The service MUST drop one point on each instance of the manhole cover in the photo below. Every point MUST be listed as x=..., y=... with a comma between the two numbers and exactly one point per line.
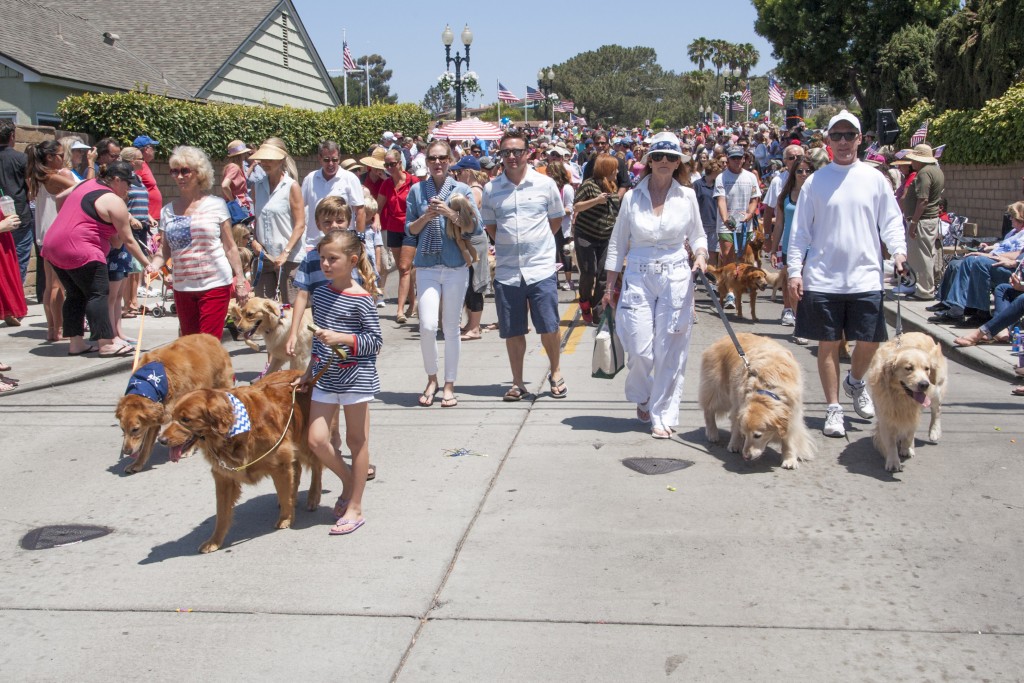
x=656, y=465
x=61, y=534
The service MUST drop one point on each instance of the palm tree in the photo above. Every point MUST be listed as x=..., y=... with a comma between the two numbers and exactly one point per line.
x=699, y=51
x=718, y=57
x=695, y=84
x=747, y=57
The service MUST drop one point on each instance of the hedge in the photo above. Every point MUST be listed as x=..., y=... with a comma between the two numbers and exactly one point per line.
x=211, y=126
x=991, y=135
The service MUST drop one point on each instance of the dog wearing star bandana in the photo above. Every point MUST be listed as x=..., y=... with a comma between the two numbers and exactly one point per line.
x=195, y=361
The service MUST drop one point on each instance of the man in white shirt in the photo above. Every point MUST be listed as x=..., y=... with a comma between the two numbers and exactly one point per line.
x=736, y=193
x=521, y=210
x=845, y=209
x=331, y=179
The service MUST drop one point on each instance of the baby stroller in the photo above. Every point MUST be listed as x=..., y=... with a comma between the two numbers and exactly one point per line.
x=165, y=299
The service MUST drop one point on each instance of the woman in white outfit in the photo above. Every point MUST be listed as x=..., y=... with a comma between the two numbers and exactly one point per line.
x=280, y=224
x=653, y=316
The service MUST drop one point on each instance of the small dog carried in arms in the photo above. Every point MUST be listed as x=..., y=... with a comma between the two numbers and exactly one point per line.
x=907, y=375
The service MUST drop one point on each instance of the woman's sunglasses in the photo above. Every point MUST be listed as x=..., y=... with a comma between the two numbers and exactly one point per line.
x=661, y=156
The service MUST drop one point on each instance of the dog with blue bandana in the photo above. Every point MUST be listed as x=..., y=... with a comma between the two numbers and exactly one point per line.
x=196, y=361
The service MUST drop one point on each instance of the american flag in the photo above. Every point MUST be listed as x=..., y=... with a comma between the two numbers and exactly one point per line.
x=902, y=153
x=565, y=106
x=937, y=152
x=775, y=93
x=346, y=59
x=506, y=95
x=746, y=94
x=736, y=106
x=533, y=94
x=919, y=137
x=872, y=149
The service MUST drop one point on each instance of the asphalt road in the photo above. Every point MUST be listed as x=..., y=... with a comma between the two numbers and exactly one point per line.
x=538, y=557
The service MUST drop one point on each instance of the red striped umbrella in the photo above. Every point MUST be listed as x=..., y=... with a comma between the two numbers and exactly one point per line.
x=469, y=129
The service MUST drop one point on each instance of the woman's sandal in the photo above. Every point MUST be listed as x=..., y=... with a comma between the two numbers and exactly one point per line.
x=971, y=340
x=449, y=402
x=426, y=399
x=1017, y=391
x=643, y=414
x=4, y=367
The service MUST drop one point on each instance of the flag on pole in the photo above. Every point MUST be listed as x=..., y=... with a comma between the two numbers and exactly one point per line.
x=506, y=95
x=346, y=58
x=736, y=106
x=565, y=106
x=716, y=117
x=872, y=149
x=775, y=93
x=533, y=94
x=937, y=152
x=920, y=136
x=745, y=98
x=902, y=153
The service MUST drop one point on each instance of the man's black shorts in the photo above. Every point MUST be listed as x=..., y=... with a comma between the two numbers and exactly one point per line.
x=825, y=317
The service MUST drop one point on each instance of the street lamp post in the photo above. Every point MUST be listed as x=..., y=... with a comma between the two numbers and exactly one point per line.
x=735, y=73
x=701, y=110
x=448, y=37
x=545, y=81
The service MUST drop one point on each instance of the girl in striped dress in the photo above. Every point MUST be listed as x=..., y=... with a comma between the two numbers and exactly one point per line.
x=345, y=315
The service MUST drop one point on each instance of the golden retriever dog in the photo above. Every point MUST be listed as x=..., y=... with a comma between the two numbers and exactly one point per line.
x=907, y=374
x=463, y=206
x=195, y=361
x=764, y=405
x=207, y=417
x=266, y=317
x=740, y=279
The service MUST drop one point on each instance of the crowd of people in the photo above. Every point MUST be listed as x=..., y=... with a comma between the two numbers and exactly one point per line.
x=633, y=213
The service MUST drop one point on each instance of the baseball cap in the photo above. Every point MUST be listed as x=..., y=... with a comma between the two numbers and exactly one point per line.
x=145, y=141
x=469, y=162
x=388, y=135
x=734, y=151
x=486, y=163
x=844, y=116
x=78, y=144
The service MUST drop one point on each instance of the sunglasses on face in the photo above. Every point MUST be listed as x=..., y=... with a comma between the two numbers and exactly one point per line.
x=803, y=171
x=392, y=164
x=332, y=160
x=509, y=153
x=183, y=172
x=797, y=156
x=849, y=136
x=435, y=158
x=661, y=156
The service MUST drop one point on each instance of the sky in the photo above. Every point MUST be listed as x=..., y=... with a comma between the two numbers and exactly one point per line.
x=510, y=45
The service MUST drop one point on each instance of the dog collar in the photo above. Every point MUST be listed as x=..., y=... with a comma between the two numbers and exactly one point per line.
x=149, y=381
x=242, y=423
x=765, y=392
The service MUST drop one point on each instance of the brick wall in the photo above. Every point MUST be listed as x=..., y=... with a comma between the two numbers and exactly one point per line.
x=983, y=192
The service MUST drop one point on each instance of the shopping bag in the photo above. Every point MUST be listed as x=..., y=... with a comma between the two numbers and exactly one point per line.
x=389, y=265
x=609, y=357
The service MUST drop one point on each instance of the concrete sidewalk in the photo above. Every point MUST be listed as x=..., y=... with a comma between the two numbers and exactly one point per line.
x=38, y=364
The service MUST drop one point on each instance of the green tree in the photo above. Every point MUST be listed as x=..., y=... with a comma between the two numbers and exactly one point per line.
x=438, y=100
x=837, y=43
x=613, y=82
x=979, y=52
x=699, y=51
x=907, y=73
x=747, y=57
x=380, y=88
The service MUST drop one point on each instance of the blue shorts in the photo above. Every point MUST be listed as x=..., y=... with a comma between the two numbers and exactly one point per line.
x=511, y=302
x=826, y=317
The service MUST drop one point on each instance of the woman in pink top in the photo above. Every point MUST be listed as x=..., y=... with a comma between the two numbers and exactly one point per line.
x=234, y=187
x=92, y=220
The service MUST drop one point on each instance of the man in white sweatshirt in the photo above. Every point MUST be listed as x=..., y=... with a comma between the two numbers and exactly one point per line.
x=835, y=265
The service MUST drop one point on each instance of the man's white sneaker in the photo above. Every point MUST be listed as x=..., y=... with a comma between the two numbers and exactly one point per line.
x=800, y=341
x=788, y=319
x=862, y=402
x=834, y=422
x=730, y=302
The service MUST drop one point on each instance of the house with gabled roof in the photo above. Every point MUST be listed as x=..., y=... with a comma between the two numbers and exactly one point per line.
x=250, y=52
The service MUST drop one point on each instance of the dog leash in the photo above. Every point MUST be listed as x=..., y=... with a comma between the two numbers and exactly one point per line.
x=338, y=351
x=142, y=323
x=906, y=279
x=725, y=321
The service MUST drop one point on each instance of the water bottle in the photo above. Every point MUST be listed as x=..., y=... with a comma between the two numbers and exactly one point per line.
x=6, y=206
x=1015, y=341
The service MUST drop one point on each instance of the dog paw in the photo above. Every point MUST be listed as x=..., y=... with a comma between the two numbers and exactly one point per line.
x=712, y=435
x=209, y=547
x=935, y=434
x=891, y=466
x=133, y=467
x=735, y=447
x=284, y=523
x=790, y=464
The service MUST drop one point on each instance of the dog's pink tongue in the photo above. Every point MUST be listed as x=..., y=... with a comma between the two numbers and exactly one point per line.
x=175, y=453
x=922, y=398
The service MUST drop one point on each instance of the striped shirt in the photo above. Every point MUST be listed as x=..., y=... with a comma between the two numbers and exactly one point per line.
x=138, y=203
x=524, y=246
x=354, y=314
x=195, y=241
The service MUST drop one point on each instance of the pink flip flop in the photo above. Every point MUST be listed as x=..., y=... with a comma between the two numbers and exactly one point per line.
x=337, y=529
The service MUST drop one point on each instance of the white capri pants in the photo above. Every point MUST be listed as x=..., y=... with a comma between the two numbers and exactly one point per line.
x=653, y=320
x=433, y=285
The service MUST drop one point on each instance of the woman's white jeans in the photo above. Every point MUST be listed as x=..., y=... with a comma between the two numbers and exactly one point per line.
x=433, y=285
x=653, y=320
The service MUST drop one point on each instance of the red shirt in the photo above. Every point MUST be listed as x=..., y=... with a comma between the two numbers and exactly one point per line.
x=156, y=200
x=392, y=209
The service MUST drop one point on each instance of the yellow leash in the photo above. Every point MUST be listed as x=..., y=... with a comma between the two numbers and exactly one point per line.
x=142, y=324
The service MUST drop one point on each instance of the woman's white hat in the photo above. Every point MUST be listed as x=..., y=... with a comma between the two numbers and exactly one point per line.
x=666, y=143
